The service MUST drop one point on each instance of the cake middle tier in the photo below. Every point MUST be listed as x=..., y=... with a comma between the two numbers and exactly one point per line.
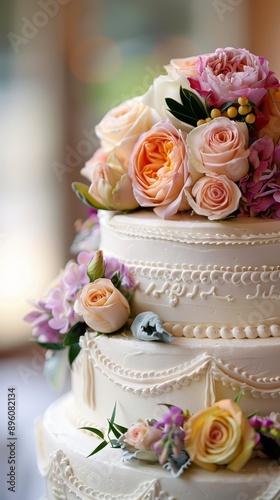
x=189, y=373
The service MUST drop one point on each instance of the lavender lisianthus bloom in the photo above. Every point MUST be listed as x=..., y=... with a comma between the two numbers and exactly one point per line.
x=114, y=267
x=172, y=440
x=54, y=315
x=39, y=319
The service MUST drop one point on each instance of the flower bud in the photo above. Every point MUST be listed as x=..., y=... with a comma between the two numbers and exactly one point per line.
x=96, y=267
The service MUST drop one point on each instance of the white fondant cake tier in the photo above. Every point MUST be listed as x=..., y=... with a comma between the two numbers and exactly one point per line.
x=188, y=373
x=62, y=451
x=205, y=279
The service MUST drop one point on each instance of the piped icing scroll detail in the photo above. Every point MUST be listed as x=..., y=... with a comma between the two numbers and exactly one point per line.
x=142, y=383
x=63, y=479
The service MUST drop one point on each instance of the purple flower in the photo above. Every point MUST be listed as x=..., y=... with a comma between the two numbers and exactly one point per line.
x=114, y=267
x=172, y=440
x=55, y=315
x=39, y=320
x=260, y=187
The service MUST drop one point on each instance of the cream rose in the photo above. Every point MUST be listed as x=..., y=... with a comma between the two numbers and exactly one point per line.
x=159, y=170
x=220, y=435
x=111, y=187
x=122, y=126
x=219, y=146
x=167, y=86
x=215, y=196
x=102, y=306
x=141, y=435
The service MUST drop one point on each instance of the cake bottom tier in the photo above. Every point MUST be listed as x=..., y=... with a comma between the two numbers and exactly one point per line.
x=62, y=450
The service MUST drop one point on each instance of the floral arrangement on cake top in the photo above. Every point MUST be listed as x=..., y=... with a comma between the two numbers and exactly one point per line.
x=218, y=436
x=204, y=138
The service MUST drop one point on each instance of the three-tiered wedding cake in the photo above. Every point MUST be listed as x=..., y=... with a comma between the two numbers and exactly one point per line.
x=175, y=321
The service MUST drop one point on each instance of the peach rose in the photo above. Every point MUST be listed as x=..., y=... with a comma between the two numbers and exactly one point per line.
x=215, y=196
x=220, y=435
x=219, y=146
x=271, y=110
x=102, y=306
x=159, y=170
x=142, y=435
x=184, y=65
x=122, y=126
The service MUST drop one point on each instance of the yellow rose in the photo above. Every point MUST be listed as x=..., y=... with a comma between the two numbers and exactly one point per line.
x=102, y=306
x=271, y=110
x=220, y=435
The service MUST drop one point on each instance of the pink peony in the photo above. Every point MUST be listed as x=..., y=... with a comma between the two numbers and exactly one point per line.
x=230, y=73
x=260, y=187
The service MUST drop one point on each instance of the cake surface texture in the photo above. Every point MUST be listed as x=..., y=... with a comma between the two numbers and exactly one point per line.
x=169, y=314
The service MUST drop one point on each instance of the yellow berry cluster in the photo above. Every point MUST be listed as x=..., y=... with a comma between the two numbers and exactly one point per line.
x=243, y=109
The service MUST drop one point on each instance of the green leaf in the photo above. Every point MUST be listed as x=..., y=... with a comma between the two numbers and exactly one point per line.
x=227, y=105
x=54, y=346
x=112, y=419
x=98, y=448
x=75, y=332
x=98, y=432
x=175, y=106
x=270, y=447
x=74, y=350
x=113, y=429
x=81, y=190
x=195, y=104
x=238, y=397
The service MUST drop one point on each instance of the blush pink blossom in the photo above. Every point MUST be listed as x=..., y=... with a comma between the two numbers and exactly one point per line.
x=230, y=73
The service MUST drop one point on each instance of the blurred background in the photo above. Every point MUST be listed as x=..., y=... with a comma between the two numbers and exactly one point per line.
x=63, y=64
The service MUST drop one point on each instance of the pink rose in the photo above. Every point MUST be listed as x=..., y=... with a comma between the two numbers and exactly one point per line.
x=219, y=146
x=215, y=196
x=271, y=110
x=103, y=307
x=230, y=73
x=142, y=435
x=159, y=170
x=219, y=435
x=122, y=126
